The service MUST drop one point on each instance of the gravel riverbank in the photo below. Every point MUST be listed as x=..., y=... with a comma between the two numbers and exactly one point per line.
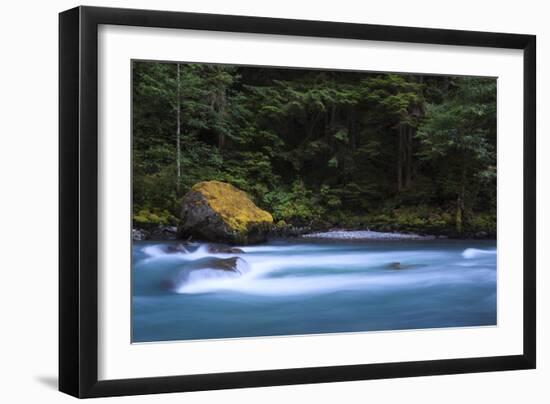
x=366, y=235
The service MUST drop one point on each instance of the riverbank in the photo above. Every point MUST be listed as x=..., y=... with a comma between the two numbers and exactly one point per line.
x=366, y=235
x=430, y=223
x=161, y=233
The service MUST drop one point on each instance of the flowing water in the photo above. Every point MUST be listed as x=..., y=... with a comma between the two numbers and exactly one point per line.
x=306, y=287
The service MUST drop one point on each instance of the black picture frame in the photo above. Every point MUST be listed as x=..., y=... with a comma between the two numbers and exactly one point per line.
x=78, y=201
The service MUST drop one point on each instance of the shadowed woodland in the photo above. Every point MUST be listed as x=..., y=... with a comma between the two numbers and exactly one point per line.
x=317, y=148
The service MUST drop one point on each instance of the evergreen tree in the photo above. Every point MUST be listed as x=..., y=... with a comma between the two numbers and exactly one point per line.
x=320, y=148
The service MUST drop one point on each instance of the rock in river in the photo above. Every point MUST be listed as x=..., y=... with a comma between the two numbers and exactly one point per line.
x=206, y=269
x=233, y=264
x=182, y=248
x=219, y=212
x=399, y=266
x=224, y=249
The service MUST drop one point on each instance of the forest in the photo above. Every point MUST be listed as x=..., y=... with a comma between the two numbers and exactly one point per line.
x=318, y=149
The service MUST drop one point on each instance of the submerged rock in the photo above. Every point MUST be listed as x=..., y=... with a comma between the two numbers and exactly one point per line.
x=399, y=266
x=223, y=249
x=233, y=264
x=217, y=211
x=177, y=248
x=206, y=269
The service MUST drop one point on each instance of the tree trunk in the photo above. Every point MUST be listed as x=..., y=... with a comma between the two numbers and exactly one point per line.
x=460, y=200
x=400, y=159
x=309, y=127
x=178, y=131
x=408, y=151
x=221, y=117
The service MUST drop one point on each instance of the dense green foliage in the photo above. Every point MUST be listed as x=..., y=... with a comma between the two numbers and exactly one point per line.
x=318, y=148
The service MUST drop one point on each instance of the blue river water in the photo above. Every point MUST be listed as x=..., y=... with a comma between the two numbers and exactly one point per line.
x=304, y=287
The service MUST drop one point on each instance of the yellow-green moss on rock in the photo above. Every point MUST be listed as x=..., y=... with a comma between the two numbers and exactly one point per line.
x=217, y=211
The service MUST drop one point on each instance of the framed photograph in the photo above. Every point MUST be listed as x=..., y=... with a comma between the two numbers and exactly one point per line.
x=251, y=201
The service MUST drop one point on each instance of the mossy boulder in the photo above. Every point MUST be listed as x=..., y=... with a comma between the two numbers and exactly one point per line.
x=219, y=212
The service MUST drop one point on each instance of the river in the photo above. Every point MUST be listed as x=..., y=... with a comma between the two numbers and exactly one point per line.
x=302, y=286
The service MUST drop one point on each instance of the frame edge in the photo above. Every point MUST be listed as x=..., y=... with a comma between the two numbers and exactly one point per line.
x=69, y=83
x=530, y=202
